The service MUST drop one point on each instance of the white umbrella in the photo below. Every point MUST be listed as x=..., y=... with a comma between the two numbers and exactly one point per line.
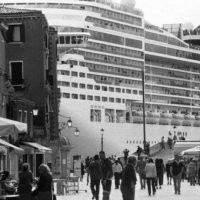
x=8, y=126
x=192, y=151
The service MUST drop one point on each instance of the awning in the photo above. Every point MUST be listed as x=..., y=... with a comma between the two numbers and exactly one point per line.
x=8, y=127
x=37, y=146
x=7, y=144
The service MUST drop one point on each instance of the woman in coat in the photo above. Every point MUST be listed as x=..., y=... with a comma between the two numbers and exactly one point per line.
x=129, y=179
x=25, y=183
x=44, y=185
x=151, y=174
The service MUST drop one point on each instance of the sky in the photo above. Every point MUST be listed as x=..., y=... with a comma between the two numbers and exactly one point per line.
x=159, y=12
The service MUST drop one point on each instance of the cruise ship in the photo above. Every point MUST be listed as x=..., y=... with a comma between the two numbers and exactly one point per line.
x=107, y=53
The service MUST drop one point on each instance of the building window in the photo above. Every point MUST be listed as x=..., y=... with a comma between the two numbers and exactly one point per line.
x=16, y=33
x=66, y=95
x=16, y=72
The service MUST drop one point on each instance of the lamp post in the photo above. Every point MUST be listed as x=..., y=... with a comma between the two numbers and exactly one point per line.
x=143, y=105
x=102, y=132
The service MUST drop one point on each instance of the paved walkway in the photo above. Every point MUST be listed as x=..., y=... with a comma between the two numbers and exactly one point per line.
x=166, y=193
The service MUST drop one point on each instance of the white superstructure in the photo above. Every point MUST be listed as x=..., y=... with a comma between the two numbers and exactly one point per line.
x=102, y=49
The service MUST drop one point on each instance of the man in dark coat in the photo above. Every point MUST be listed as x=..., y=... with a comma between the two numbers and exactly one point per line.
x=94, y=171
x=129, y=179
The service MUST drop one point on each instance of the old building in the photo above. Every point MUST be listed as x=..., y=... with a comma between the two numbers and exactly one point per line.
x=28, y=55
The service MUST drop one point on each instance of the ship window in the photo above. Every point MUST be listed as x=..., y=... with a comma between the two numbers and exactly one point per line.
x=128, y=91
x=74, y=74
x=111, y=89
x=97, y=98
x=97, y=87
x=90, y=97
x=74, y=96
x=82, y=74
x=66, y=95
x=104, y=88
x=82, y=96
x=140, y=92
x=118, y=89
x=64, y=83
x=104, y=99
x=90, y=87
x=73, y=39
x=95, y=115
x=67, y=40
x=75, y=85
x=135, y=91
x=123, y=101
x=111, y=99
x=118, y=100
x=123, y=90
x=81, y=85
x=59, y=83
x=61, y=40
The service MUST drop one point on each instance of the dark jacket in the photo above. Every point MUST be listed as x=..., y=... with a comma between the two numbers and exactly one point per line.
x=45, y=183
x=106, y=169
x=25, y=181
x=94, y=170
x=128, y=176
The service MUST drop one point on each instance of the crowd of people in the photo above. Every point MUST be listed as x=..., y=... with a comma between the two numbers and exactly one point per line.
x=102, y=170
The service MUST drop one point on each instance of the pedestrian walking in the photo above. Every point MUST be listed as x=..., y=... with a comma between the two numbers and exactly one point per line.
x=151, y=174
x=160, y=168
x=192, y=172
x=94, y=171
x=107, y=174
x=141, y=164
x=117, y=169
x=168, y=172
x=162, y=142
x=176, y=171
x=129, y=179
x=25, y=183
x=44, y=185
x=82, y=171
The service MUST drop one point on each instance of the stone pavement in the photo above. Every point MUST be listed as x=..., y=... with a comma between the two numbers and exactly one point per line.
x=166, y=193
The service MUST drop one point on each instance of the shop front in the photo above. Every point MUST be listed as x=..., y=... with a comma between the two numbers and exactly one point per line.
x=35, y=154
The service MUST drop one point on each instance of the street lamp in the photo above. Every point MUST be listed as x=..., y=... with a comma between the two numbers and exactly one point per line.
x=143, y=105
x=76, y=132
x=102, y=132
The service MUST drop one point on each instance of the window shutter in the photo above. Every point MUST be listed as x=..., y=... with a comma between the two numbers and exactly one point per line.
x=22, y=32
